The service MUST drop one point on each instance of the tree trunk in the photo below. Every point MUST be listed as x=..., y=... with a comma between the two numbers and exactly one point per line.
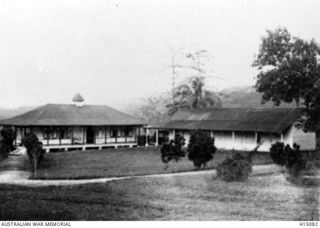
x=35, y=162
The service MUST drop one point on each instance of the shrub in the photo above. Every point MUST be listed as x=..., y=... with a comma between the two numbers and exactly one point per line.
x=34, y=150
x=288, y=157
x=234, y=168
x=201, y=148
x=278, y=153
x=172, y=151
x=310, y=167
x=8, y=136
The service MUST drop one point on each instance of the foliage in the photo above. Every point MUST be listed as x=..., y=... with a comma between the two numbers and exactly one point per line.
x=192, y=93
x=8, y=136
x=287, y=65
x=172, y=151
x=278, y=153
x=201, y=148
x=34, y=150
x=310, y=167
x=290, y=71
x=235, y=168
x=152, y=109
x=288, y=157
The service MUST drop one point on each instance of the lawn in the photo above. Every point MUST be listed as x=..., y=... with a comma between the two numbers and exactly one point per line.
x=118, y=162
x=197, y=197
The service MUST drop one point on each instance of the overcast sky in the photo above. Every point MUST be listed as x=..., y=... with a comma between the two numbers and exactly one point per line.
x=115, y=52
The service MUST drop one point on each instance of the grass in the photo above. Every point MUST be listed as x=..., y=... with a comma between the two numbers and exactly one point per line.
x=197, y=197
x=118, y=162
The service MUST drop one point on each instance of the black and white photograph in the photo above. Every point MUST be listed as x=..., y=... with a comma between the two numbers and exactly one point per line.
x=158, y=110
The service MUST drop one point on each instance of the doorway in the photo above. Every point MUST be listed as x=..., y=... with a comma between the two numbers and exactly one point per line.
x=90, y=135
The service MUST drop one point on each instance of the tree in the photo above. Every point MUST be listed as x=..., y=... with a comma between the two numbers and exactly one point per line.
x=289, y=67
x=152, y=109
x=8, y=136
x=34, y=150
x=172, y=151
x=192, y=93
x=201, y=148
x=194, y=96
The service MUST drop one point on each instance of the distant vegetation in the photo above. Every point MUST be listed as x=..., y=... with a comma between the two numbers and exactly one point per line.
x=153, y=109
x=247, y=97
x=7, y=113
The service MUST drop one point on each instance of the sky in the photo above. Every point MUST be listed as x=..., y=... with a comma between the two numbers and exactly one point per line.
x=115, y=52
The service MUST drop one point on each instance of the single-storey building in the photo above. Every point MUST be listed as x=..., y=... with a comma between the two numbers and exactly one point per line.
x=77, y=126
x=241, y=128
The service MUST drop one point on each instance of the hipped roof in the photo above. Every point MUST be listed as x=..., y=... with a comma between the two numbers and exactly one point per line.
x=235, y=119
x=71, y=115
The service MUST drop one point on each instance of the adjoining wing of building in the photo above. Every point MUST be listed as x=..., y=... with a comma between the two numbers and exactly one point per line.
x=77, y=126
x=242, y=129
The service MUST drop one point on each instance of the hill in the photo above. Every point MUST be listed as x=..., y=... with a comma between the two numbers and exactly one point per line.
x=247, y=97
x=7, y=113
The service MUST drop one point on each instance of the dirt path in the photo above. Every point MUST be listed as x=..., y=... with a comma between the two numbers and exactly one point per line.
x=14, y=171
x=14, y=168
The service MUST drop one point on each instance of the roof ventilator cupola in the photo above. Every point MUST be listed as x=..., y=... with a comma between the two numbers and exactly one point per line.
x=78, y=100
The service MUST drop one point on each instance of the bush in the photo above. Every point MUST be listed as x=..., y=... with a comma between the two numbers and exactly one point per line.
x=201, y=148
x=278, y=153
x=310, y=168
x=288, y=157
x=235, y=168
x=34, y=150
x=172, y=151
x=8, y=136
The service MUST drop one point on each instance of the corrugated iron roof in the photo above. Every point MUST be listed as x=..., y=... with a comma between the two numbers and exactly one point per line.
x=235, y=119
x=71, y=115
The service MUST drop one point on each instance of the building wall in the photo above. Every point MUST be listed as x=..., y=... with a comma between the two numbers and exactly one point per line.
x=244, y=141
x=306, y=140
x=247, y=141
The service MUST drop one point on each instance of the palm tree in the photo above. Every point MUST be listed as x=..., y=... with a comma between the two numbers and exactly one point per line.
x=192, y=95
